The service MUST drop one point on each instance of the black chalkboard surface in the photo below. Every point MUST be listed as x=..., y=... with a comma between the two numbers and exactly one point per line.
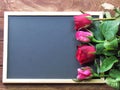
x=40, y=47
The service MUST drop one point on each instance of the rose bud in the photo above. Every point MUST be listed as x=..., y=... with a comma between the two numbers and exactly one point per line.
x=85, y=54
x=82, y=21
x=83, y=36
x=84, y=73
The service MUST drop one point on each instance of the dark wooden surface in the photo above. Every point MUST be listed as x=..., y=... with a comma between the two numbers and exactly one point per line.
x=49, y=5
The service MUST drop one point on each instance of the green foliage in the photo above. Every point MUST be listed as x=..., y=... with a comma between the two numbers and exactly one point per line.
x=109, y=29
x=106, y=48
x=113, y=83
x=106, y=39
x=119, y=53
x=96, y=31
x=109, y=52
x=99, y=48
x=114, y=73
x=111, y=45
x=108, y=15
x=108, y=63
x=97, y=64
x=106, y=31
x=117, y=10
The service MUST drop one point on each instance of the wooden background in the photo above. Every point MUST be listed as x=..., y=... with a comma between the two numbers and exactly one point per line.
x=49, y=5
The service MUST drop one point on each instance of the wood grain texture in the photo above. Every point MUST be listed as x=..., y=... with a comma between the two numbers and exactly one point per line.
x=53, y=5
x=55, y=87
x=1, y=54
x=49, y=5
x=1, y=28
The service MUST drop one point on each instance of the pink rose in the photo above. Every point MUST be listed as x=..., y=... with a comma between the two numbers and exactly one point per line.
x=81, y=21
x=84, y=73
x=83, y=36
x=85, y=54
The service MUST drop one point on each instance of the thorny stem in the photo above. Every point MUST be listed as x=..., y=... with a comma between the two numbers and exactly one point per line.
x=103, y=19
x=100, y=76
x=96, y=41
x=82, y=12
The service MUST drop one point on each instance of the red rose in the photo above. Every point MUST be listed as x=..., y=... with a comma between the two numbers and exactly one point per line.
x=85, y=54
x=84, y=73
x=81, y=21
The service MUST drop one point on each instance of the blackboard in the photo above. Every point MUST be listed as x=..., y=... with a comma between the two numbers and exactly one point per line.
x=39, y=47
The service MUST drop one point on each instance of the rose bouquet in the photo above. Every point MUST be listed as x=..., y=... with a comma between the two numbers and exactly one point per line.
x=99, y=45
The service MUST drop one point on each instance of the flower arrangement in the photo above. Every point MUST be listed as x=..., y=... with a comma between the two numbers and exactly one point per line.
x=99, y=45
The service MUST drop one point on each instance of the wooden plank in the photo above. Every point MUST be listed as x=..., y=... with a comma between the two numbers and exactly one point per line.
x=1, y=53
x=0, y=74
x=1, y=28
x=53, y=5
x=55, y=87
x=2, y=7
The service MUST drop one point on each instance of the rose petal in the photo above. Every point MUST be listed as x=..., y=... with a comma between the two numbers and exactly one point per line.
x=85, y=54
x=81, y=21
x=87, y=72
x=83, y=36
x=80, y=71
x=81, y=77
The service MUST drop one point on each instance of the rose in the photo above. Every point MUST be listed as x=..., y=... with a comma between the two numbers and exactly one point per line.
x=85, y=54
x=82, y=21
x=83, y=35
x=84, y=73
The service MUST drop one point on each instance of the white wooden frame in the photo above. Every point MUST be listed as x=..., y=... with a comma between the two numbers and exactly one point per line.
x=5, y=52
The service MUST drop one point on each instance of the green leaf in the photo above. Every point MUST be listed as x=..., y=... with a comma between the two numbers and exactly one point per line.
x=97, y=65
x=118, y=65
x=117, y=15
x=117, y=10
x=108, y=63
x=113, y=83
x=95, y=74
x=107, y=14
x=109, y=52
x=96, y=31
x=111, y=45
x=99, y=48
x=114, y=73
x=118, y=38
x=109, y=29
x=76, y=80
x=119, y=53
